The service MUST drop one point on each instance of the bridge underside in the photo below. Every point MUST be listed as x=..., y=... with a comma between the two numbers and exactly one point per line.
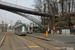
x=17, y=8
x=12, y=7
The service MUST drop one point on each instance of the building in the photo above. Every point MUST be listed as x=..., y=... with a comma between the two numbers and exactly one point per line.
x=33, y=27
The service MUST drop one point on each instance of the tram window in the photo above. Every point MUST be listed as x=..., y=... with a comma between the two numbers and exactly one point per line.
x=23, y=28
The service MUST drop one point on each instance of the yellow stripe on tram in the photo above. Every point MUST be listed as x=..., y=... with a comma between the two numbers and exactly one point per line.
x=33, y=46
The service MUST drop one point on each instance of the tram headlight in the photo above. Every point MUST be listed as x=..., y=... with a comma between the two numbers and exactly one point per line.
x=23, y=31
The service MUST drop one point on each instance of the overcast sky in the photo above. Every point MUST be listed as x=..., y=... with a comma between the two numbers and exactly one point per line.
x=11, y=18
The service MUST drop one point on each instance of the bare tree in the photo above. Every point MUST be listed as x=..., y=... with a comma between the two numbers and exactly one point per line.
x=72, y=5
x=54, y=7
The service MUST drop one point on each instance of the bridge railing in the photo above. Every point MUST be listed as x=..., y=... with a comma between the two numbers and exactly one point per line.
x=30, y=18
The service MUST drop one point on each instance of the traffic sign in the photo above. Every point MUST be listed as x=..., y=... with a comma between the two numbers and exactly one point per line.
x=54, y=28
x=74, y=26
x=51, y=31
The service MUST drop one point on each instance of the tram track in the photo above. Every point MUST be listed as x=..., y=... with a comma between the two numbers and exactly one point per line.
x=47, y=42
x=10, y=44
x=16, y=42
x=40, y=45
x=44, y=48
x=22, y=42
x=50, y=43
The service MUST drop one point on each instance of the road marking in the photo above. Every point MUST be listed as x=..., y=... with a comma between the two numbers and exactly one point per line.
x=33, y=46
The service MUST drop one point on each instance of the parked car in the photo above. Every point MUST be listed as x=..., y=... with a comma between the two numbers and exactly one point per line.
x=29, y=32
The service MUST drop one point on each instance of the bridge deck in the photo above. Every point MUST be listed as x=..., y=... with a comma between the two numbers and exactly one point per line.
x=10, y=7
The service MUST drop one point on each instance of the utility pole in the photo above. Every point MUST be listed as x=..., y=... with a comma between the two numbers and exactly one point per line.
x=54, y=15
x=62, y=3
x=69, y=6
x=33, y=26
x=44, y=10
x=49, y=21
x=2, y=26
x=5, y=27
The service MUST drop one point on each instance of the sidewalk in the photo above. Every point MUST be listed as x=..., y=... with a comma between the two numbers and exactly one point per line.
x=2, y=36
x=70, y=35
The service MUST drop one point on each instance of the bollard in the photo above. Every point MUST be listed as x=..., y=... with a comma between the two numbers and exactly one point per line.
x=46, y=34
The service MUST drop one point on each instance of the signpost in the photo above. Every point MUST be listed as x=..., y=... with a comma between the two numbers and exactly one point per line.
x=53, y=29
x=48, y=28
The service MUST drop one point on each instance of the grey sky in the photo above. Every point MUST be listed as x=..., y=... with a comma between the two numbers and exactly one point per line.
x=8, y=17
x=26, y=3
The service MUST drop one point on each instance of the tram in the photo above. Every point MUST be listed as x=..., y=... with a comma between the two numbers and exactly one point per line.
x=20, y=29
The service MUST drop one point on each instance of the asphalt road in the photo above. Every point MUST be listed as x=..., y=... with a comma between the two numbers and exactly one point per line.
x=15, y=42
x=68, y=40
